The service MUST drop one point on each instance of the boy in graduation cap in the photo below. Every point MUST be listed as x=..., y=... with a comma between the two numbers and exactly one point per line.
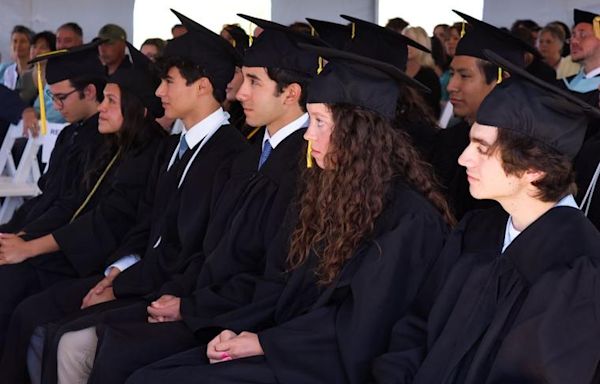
x=76, y=80
x=472, y=78
x=520, y=300
x=248, y=216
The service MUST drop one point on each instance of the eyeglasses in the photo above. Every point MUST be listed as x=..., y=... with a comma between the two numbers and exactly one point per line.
x=581, y=35
x=60, y=98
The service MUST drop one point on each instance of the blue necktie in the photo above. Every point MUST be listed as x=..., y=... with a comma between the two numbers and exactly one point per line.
x=265, y=153
x=183, y=146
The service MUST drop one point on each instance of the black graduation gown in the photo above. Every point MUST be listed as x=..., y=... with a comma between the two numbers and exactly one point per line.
x=528, y=315
x=76, y=147
x=330, y=335
x=185, y=218
x=257, y=201
x=450, y=143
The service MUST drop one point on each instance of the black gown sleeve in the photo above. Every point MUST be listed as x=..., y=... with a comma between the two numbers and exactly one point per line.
x=409, y=337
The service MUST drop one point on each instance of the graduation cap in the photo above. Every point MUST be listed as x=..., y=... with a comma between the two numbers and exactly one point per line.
x=241, y=40
x=276, y=47
x=535, y=108
x=66, y=64
x=482, y=36
x=207, y=49
x=334, y=34
x=141, y=80
x=70, y=63
x=353, y=79
x=581, y=16
x=379, y=43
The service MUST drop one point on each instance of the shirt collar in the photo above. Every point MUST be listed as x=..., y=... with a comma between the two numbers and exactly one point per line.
x=279, y=136
x=593, y=73
x=511, y=232
x=195, y=134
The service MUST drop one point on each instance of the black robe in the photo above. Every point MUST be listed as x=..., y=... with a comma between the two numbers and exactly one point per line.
x=528, y=315
x=331, y=334
x=449, y=145
x=250, y=211
x=76, y=147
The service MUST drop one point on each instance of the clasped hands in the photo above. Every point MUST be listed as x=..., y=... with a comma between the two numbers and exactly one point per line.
x=228, y=346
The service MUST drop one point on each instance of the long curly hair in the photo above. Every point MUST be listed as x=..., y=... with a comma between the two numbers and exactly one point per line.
x=339, y=205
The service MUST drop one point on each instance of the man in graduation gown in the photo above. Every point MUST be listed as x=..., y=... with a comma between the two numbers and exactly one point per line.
x=585, y=49
x=260, y=189
x=520, y=301
x=77, y=143
x=76, y=81
x=190, y=172
x=473, y=77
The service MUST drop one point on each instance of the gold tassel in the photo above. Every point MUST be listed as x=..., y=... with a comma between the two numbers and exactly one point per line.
x=320, y=68
x=309, y=159
x=233, y=43
x=43, y=121
x=462, y=31
x=250, y=38
x=251, y=134
x=596, y=24
x=353, y=30
x=499, y=76
x=93, y=191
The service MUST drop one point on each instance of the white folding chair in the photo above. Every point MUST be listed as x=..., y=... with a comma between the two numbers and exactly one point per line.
x=20, y=181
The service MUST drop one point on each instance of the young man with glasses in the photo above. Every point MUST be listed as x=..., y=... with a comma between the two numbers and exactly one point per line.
x=76, y=82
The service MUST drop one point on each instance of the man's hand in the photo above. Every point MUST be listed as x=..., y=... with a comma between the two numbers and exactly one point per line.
x=166, y=308
x=13, y=249
x=102, y=292
x=30, y=123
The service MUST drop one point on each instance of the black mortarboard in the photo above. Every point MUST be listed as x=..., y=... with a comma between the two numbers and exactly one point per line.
x=276, y=47
x=581, y=16
x=140, y=80
x=535, y=108
x=334, y=34
x=482, y=36
x=73, y=62
x=379, y=43
x=357, y=80
x=241, y=40
x=207, y=49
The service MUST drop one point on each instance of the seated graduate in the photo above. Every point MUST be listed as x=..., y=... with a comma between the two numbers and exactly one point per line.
x=247, y=216
x=368, y=228
x=520, y=301
x=75, y=146
x=189, y=172
x=106, y=205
